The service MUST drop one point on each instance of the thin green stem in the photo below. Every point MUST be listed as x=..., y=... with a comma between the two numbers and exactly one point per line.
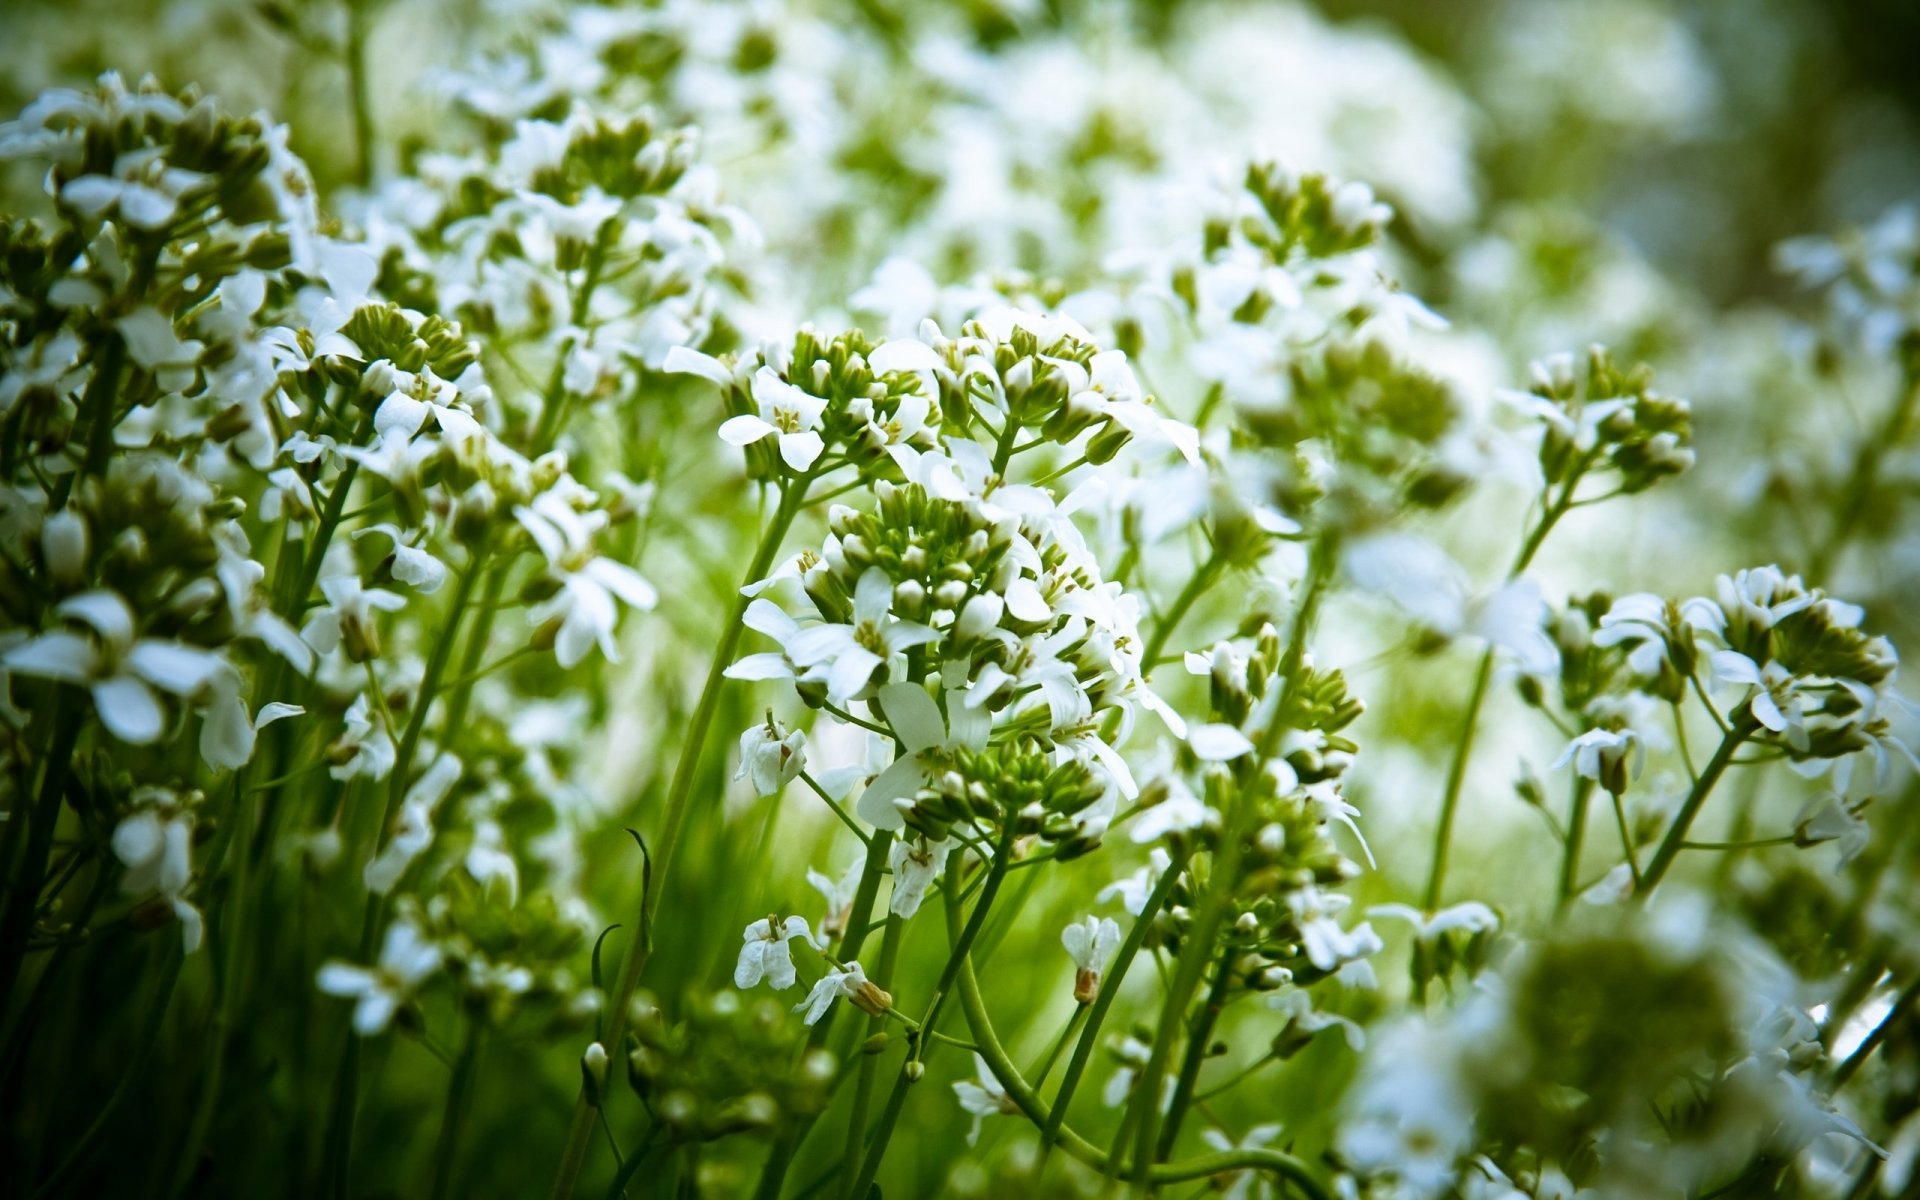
x=679, y=790
x=1865, y=476
x=1027, y=1100
x=1456, y=780
x=453, y=1118
x=868, y=1072
x=1742, y=728
x=358, y=92
x=1199, y=1040
x=1196, y=586
x=1576, y=834
x=1109, y=989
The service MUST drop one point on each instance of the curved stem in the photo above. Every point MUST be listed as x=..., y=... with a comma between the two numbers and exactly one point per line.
x=1284, y=1166
x=1109, y=988
x=679, y=790
x=1456, y=779
x=1742, y=728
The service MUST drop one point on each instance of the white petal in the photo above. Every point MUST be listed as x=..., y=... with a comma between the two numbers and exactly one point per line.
x=67, y=657
x=761, y=666
x=276, y=711
x=1025, y=602
x=913, y=715
x=623, y=581
x=744, y=430
x=128, y=709
x=105, y=611
x=1217, y=742
x=851, y=672
x=876, y=805
x=684, y=361
x=799, y=450
x=903, y=354
x=175, y=666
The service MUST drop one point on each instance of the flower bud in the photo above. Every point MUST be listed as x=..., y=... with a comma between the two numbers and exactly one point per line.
x=593, y=1074
x=64, y=539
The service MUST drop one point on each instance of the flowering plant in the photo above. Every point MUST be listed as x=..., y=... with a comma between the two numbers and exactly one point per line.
x=795, y=599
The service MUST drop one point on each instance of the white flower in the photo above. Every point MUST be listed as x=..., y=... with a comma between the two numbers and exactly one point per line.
x=1776, y=700
x=786, y=412
x=406, y=960
x=348, y=617
x=764, y=953
x=119, y=670
x=1327, y=945
x=1603, y=755
x=839, y=894
x=851, y=982
x=984, y=1099
x=1135, y=888
x=770, y=756
x=1179, y=812
x=1216, y=742
x=584, y=605
x=927, y=740
x=916, y=863
x=363, y=748
x=846, y=656
x=1090, y=943
x=1468, y=917
x=155, y=843
x=411, y=565
x=415, y=825
x=1244, y=1182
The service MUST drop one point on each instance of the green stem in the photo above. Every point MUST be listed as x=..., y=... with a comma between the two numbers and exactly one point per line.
x=1742, y=728
x=1191, y=964
x=1283, y=1166
x=453, y=1119
x=358, y=96
x=869, y=1068
x=23, y=898
x=1456, y=779
x=1864, y=476
x=1871, y=1042
x=1469, y=723
x=580, y=1131
x=1196, y=586
x=156, y=1010
x=996, y=874
x=1198, y=1041
x=1576, y=834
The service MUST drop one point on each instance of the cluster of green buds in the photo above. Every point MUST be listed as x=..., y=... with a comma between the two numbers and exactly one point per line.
x=725, y=1065
x=1018, y=784
x=1306, y=215
x=1599, y=415
x=511, y=956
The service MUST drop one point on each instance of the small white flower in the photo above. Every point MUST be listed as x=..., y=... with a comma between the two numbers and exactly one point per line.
x=1468, y=917
x=851, y=982
x=916, y=863
x=348, y=618
x=155, y=843
x=787, y=413
x=1244, y=1182
x=1180, y=812
x=984, y=1099
x=411, y=565
x=1135, y=888
x=406, y=960
x=764, y=953
x=363, y=748
x=119, y=670
x=589, y=583
x=846, y=656
x=770, y=756
x=1090, y=943
x=927, y=740
x=839, y=895
x=1608, y=757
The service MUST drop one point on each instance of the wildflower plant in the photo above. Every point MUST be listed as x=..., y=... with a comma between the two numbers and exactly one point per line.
x=799, y=600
